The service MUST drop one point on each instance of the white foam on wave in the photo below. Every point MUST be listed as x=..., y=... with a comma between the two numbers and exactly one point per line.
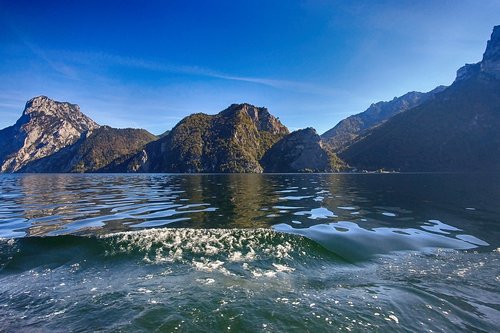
x=283, y=268
x=209, y=250
x=238, y=256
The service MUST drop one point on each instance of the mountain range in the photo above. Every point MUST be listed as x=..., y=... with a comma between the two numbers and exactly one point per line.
x=55, y=136
x=349, y=129
x=451, y=128
x=456, y=130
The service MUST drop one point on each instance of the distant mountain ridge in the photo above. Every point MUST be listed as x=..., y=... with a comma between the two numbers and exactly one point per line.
x=455, y=131
x=349, y=129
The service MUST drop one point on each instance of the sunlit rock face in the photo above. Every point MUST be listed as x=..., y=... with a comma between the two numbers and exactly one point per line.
x=95, y=151
x=45, y=127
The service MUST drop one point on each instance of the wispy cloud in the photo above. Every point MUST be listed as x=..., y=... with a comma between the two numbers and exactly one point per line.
x=106, y=59
x=296, y=86
x=73, y=69
x=57, y=66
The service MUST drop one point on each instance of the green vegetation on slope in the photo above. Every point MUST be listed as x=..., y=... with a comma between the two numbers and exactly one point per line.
x=93, y=151
x=232, y=141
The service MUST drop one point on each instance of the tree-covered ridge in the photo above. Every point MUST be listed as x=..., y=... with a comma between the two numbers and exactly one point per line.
x=301, y=151
x=233, y=140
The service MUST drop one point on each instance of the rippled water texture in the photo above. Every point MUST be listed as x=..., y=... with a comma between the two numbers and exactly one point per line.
x=246, y=253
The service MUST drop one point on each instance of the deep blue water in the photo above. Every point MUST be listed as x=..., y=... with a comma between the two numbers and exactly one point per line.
x=247, y=253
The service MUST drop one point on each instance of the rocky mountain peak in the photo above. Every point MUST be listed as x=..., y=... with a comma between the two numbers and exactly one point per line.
x=491, y=59
x=42, y=106
x=253, y=111
x=45, y=127
x=260, y=116
x=46, y=105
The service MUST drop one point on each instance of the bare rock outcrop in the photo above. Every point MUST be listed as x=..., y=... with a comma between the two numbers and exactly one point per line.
x=45, y=127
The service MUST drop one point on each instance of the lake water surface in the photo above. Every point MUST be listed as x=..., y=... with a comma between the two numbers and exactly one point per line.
x=250, y=253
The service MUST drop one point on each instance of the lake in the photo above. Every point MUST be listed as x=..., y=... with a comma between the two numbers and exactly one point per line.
x=250, y=253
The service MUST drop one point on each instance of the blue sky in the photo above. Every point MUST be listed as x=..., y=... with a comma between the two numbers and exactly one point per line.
x=312, y=63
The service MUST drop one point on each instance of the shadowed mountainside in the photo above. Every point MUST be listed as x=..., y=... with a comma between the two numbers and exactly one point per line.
x=347, y=130
x=455, y=131
x=301, y=151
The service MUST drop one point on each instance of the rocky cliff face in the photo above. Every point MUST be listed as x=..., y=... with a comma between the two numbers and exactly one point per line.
x=232, y=141
x=45, y=127
x=301, y=151
x=94, y=151
x=489, y=65
x=346, y=131
x=456, y=131
x=491, y=57
x=260, y=117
